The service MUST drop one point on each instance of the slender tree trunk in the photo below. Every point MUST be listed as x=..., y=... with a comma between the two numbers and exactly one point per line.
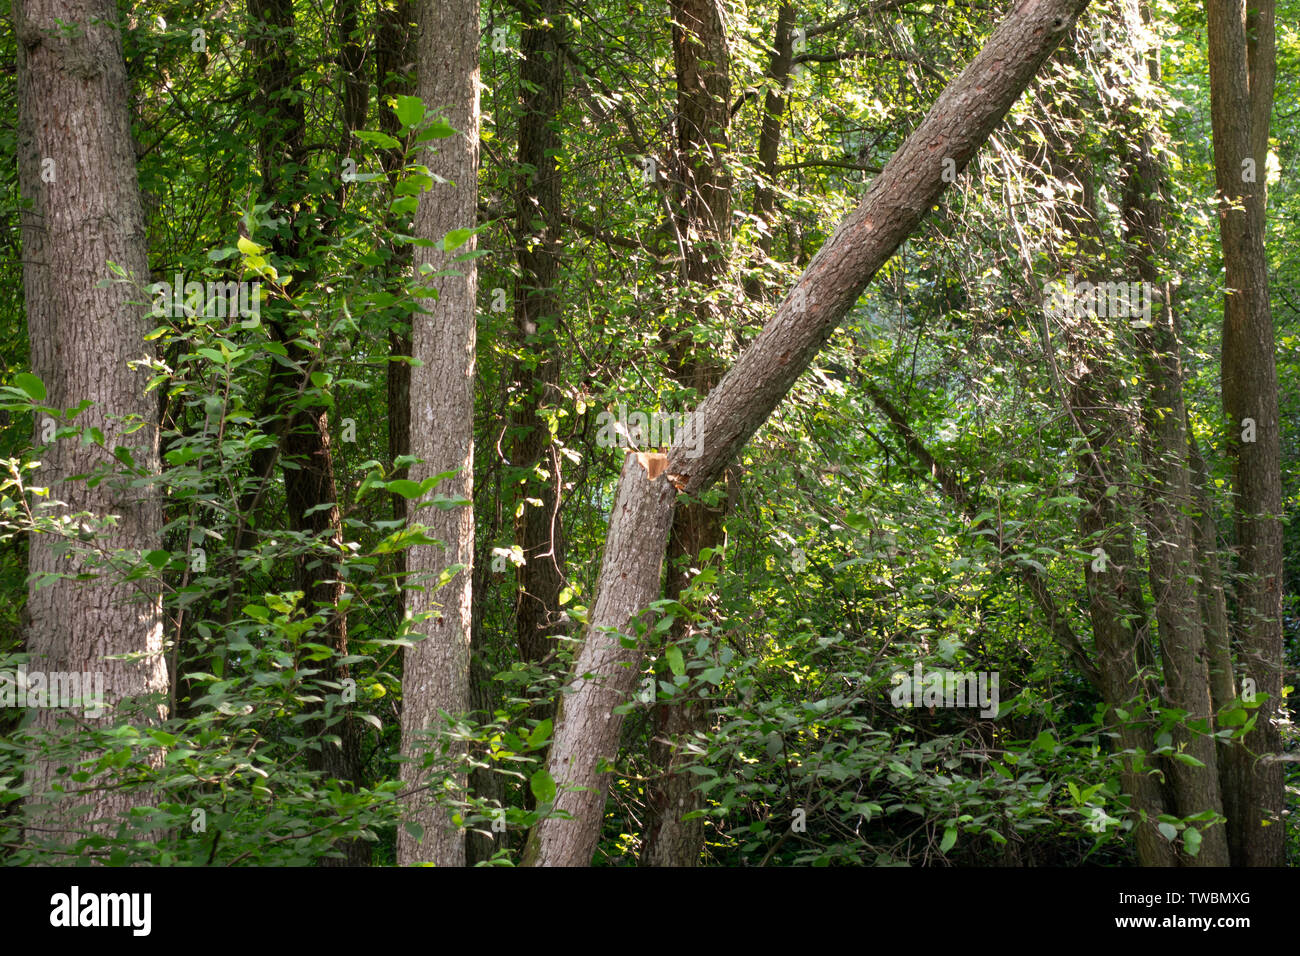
x=1169, y=502
x=76, y=166
x=392, y=65
x=896, y=202
x=539, y=529
x=436, y=670
x=1241, y=90
x=306, y=452
x=703, y=67
x=769, y=137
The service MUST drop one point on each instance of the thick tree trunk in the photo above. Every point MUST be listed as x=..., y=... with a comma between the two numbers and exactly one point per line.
x=77, y=167
x=436, y=670
x=1239, y=113
x=905, y=191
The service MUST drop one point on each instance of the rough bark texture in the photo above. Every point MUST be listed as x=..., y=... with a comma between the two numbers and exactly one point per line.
x=436, y=670
x=1239, y=116
x=305, y=449
x=703, y=67
x=538, y=528
x=73, y=111
x=962, y=118
x=1169, y=504
x=586, y=728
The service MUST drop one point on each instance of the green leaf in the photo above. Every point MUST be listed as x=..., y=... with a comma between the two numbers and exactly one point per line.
x=30, y=384
x=405, y=487
x=542, y=786
x=1192, y=841
x=438, y=129
x=1168, y=829
x=456, y=238
x=539, y=735
x=376, y=138
x=673, y=655
x=1234, y=718
x=949, y=839
x=158, y=559
x=409, y=110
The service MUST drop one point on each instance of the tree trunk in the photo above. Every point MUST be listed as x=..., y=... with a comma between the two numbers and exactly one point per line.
x=769, y=138
x=905, y=191
x=538, y=528
x=1169, y=503
x=703, y=68
x=1240, y=108
x=76, y=165
x=586, y=727
x=305, y=450
x=435, y=674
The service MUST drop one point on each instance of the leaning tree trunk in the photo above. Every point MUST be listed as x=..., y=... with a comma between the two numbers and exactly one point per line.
x=900, y=197
x=77, y=167
x=435, y=673
x=1240, y=108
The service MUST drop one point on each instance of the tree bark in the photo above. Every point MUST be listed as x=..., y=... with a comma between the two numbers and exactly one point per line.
x=76, y=165
x=1239, y=114
x=538, y=528
x=702, y=62
x=904, y=192
x=1169, y=503
x=586, y=727
x=435, y=677
x=305, y=450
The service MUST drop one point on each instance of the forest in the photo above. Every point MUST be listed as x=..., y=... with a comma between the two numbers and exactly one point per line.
x=665, y=433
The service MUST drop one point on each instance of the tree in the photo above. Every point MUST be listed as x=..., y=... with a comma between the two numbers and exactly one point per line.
x=539, y=527
x=1241, y=104
x=435, y=678
x=702, y=62
x=959, y=122
x=77, y=170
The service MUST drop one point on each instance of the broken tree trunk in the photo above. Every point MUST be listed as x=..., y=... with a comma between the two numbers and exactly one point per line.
x=906, y=189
